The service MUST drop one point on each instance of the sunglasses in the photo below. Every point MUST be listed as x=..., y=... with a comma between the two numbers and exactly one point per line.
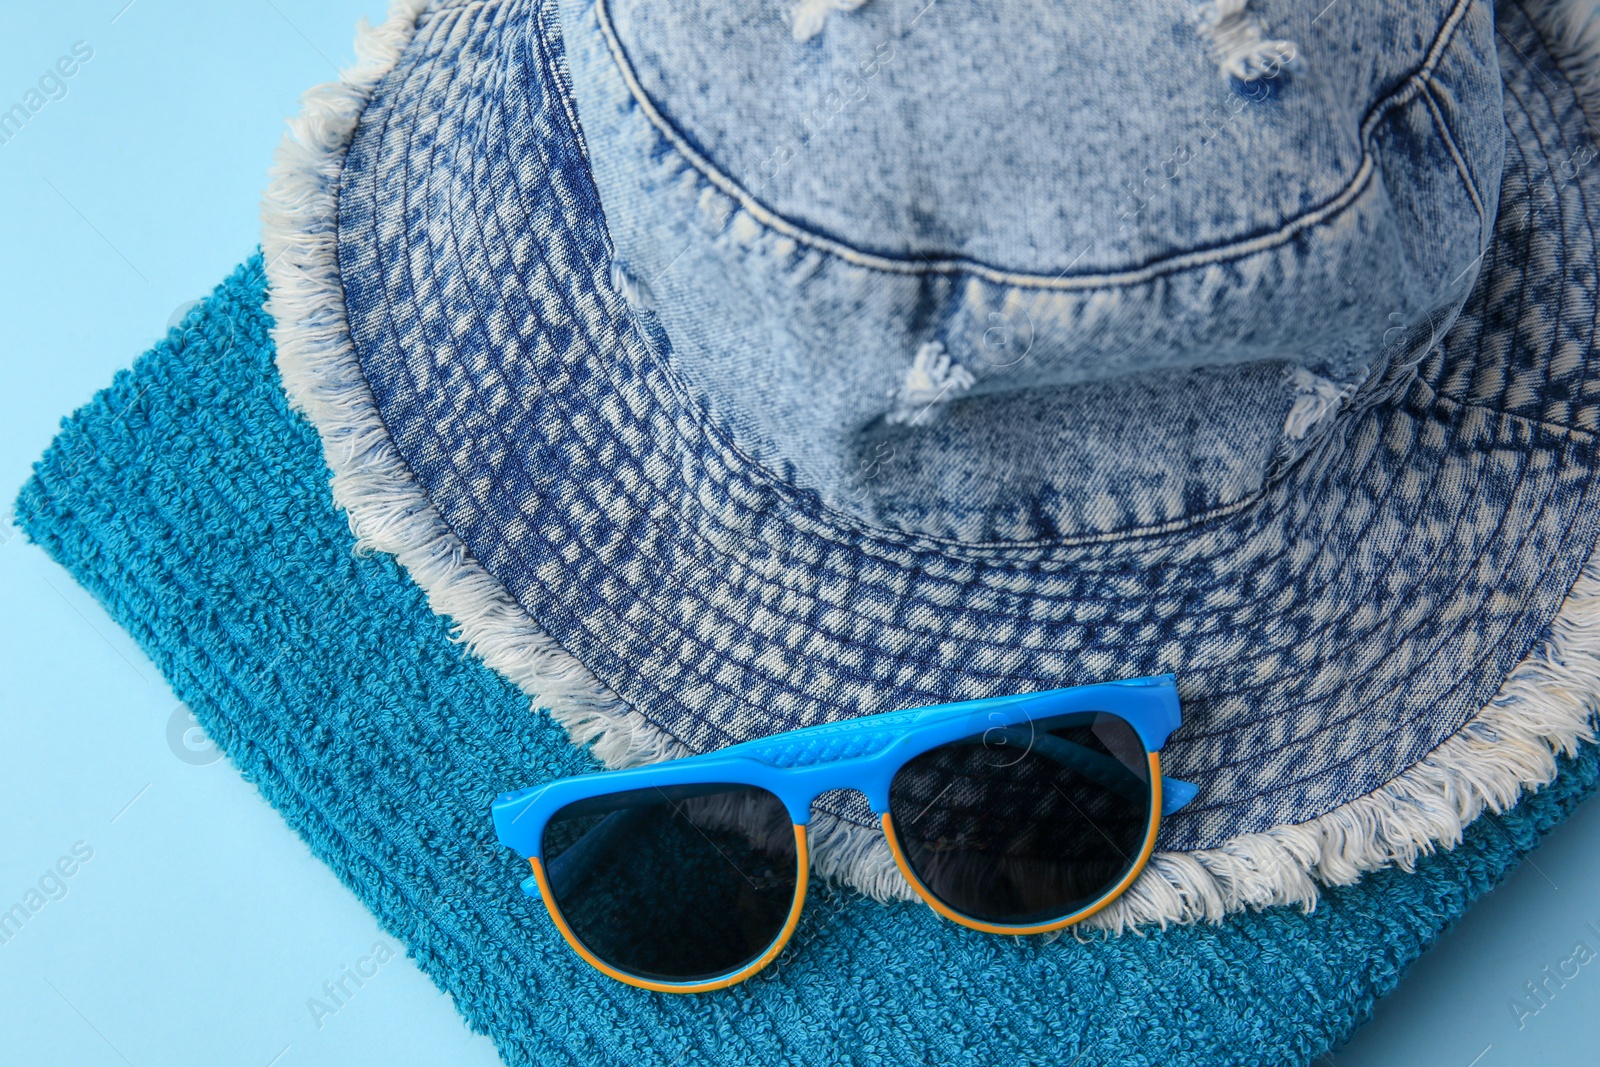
x=1012, y=815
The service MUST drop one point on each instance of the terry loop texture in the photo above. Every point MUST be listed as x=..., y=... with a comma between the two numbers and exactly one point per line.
x=1480, y=756
x=192, y=503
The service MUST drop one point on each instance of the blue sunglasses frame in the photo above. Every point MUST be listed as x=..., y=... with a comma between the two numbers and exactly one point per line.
x=863, y=754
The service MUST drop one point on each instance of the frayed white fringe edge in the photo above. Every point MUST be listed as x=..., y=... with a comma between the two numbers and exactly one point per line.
x=1547, y=705
x=387, y=511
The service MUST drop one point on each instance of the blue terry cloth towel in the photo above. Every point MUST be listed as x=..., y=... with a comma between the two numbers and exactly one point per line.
x=192, y=503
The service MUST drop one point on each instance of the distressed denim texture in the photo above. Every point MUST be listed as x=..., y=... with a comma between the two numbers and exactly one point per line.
x=675, y=398
x=983, y=190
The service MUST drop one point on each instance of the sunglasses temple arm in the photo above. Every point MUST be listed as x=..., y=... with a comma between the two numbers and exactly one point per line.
x=1176, y=794
x=1105, y=770
x=1109, y=772
x=573, y=866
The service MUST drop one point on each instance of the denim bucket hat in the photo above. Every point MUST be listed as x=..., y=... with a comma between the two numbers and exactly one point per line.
x=724, y=369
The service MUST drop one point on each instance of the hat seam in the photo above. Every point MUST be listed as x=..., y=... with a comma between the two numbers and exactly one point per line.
x=1569, y=432
x=1527, y=249
x=1546, y=707
x=754, y=581
x=820, y=520
x=852, y=527
x=316, y=360
x=451, y=239
x=1332, y=655
x=450, y=245
x=817, y=518
x=550, y=23
x=757, y=579
x=1447, y=135
x=1404, y=91
x=1317, y=633
x=1372, y=740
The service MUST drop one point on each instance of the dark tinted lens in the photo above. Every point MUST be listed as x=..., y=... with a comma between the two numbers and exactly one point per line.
x=1025, y=824
x=678, y=884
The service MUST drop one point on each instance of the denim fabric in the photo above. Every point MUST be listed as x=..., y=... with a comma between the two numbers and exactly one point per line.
x=690, y=433
x=1077, y=238
x=194, y=505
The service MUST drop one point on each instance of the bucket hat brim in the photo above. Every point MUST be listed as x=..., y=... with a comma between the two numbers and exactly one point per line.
x=1363, y=647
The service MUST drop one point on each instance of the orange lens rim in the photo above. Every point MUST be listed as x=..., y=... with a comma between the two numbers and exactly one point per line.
x=1054, y=924
x=802, y=858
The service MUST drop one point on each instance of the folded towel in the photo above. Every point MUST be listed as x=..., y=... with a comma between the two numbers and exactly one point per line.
x=191, y=501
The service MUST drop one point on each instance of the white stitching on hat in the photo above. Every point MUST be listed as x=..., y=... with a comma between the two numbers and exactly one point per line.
x=1403, y=93
x=1430, y=90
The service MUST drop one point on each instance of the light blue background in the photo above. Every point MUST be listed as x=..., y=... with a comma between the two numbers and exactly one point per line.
x=202, y=926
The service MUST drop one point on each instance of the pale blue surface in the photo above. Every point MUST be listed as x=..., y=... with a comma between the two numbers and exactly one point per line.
x=202, y=925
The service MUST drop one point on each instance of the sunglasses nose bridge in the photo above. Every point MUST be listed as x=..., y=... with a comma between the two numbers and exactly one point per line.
x=809, y=785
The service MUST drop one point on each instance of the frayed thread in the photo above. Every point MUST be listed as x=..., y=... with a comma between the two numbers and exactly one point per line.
x=810, y=16
x=1239, y=42
x=933, y=379
x=847, y=853
x=1315, y=399
x=636, y=291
